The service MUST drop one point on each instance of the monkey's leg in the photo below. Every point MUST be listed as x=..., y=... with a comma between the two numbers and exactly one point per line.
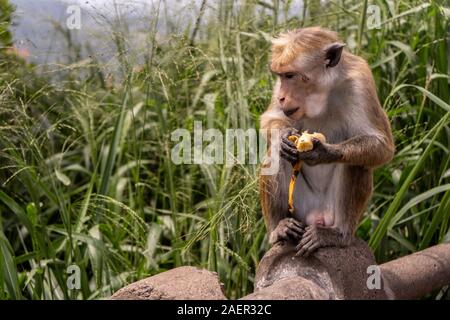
x=288, y=229
x=318, y=236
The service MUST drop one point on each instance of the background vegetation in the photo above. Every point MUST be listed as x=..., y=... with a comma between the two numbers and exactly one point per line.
x=86, y=176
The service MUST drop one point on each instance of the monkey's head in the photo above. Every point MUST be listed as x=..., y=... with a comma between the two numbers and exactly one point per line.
x=307, y=63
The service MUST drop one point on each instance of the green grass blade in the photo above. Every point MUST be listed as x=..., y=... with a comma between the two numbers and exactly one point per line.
x=382, y=228
x=114, y=146
x=8, y=270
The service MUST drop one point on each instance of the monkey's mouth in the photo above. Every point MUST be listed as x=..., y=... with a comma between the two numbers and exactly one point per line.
x=290, y=112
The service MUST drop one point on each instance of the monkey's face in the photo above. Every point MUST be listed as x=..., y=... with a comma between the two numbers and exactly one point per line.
x=304, y=62
x=298, y=94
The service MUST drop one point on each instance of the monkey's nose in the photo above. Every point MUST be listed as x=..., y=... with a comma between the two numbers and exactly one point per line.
x=282, y=99
x=290, y=112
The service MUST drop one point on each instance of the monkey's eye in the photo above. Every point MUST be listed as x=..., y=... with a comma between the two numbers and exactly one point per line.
x=289, y=75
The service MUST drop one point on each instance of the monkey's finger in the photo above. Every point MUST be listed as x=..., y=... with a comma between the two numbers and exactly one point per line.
x=296, y=229
x=308, y=156
x=288, y=142
x=289, y=132
x=303, y=249
x=303, y=242
x=289, y=150
x=293, y=220
x=293, y=234
x=282, y=236
x=308, y=232
x=288, y=157
x=310, y=249
x=316, y=143
x=292, y=151
x=299, y=224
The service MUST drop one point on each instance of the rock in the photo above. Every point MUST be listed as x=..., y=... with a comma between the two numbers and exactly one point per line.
x=183, y=283
x=295, y=288
x=330, y=273
x=337, y=273
x=417, y=274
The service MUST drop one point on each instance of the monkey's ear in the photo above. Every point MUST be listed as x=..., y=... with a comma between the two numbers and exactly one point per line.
x=333, y=54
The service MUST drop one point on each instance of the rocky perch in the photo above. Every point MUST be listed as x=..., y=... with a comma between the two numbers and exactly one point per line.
x=330, y=273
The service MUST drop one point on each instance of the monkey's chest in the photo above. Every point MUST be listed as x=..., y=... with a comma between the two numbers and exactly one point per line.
x=316, y=195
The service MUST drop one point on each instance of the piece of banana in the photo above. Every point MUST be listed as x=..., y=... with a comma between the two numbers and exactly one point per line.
x=304, y=142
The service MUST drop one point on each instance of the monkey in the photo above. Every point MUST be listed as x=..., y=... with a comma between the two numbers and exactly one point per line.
x=321, y=87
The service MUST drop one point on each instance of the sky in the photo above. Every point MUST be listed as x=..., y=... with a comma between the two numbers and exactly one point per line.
x=106, y=5
x=34, y=31
x=34, y=22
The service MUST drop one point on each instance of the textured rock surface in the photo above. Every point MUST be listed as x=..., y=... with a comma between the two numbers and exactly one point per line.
x=415, y=275
x=330, y=273
x=183, y=283
x=295, y=288
x=339, y=273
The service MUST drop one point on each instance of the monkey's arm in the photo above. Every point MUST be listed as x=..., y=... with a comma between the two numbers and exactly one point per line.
x=271, y=185
x=363, y=150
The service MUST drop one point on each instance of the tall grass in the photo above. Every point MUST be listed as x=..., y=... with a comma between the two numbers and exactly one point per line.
x=86, y=175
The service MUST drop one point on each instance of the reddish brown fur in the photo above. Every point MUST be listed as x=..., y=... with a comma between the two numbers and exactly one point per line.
x=289, y=45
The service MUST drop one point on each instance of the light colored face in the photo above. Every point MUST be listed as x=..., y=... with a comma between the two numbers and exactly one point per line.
x=305, y=62
x=298, y=93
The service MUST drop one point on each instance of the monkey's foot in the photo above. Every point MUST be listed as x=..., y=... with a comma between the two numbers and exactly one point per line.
x=317, y=236
x=288, y=229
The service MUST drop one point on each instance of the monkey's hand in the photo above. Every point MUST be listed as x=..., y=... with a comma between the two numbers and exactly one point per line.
x=321, y=153
x=318, y=236
x=288, y=229
x=288, y=149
